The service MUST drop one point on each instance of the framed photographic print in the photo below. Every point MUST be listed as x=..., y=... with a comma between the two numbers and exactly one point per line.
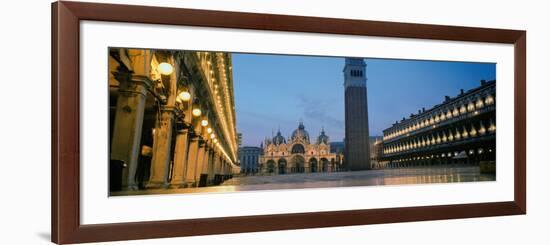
x=177, y=122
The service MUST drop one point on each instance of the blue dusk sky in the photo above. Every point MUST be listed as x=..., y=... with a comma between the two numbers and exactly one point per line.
x=277, y=91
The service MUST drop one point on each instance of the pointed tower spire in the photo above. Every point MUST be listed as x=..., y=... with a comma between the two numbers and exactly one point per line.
x=301, y=124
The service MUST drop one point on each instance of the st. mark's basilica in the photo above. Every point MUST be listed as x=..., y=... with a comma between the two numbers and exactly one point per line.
x=298, y=153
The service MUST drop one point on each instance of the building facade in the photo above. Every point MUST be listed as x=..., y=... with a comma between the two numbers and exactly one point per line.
x=249, y=159
x=357, y=150
x=376, y=151
x=298, y=154
x=172, y=118
x=460, y=130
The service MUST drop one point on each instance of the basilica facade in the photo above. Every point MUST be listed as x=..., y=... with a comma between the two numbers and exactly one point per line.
x=298, y=154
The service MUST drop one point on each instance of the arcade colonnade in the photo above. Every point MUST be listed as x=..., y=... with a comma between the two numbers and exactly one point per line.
x=172, y=118
x=461, y=130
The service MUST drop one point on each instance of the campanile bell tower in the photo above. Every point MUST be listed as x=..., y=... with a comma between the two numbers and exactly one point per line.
x=357, y=154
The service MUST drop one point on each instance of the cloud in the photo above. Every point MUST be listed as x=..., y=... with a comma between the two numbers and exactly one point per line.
x=318, y=109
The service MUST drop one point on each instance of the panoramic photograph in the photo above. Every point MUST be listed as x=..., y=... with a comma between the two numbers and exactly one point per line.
x=213, y=122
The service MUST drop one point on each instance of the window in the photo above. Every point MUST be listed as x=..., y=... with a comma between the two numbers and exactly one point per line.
x=298, y=149
x=356, y=73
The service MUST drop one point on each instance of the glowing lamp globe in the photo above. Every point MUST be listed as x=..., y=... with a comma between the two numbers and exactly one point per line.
x=212, y=136
x=196, y=112
x=184, y=96
x=204, y=122
x=165, y=68
x=209, y=130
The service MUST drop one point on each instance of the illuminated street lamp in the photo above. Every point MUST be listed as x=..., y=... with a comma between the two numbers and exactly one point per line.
x=204, y=122
x=184, y=96
x=165, y=68
x=209, y=130
x=196, y=112
x=215, y=141
x=212, y=136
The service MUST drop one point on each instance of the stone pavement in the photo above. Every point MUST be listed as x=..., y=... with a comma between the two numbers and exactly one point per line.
x=419, y=175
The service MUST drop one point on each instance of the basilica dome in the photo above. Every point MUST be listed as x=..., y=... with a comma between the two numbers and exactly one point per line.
x=279, y=139
x=323, y=138
x=300, y=133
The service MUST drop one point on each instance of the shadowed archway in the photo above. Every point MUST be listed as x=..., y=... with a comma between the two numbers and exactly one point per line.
x=282, y=166
x=270, y=166
x=324, y=165
x=298, y=164
x=313, y=165
x=298, y=149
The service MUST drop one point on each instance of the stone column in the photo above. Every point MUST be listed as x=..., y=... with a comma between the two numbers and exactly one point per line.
x=180, y=159
x=128, y=124
x=224, y=170
x=206, y=160
x=162, y=142
x=218, y=166
x=203, y=173
x=200, y=160
x=211, y=165
x=192, y=161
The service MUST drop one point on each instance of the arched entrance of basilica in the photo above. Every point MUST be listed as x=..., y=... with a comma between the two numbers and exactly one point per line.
x=313, y=165
x=282, y=166
x=270, y=166
x=298, y=164
x=324, y=165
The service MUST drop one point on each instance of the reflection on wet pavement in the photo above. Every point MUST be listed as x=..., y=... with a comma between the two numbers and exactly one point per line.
x=400, y=176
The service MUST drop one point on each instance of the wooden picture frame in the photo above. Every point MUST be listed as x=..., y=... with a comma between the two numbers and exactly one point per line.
x=66, y=226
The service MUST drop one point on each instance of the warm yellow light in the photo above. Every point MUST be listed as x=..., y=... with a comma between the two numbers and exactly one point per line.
x=184, y=96
x=197, y=112
x=204, y=122
x=215, y=140
x=209, y=130
x=463, y=109
x=471, y=106
x=165, y=68
x=212, y=136
x=489, y=100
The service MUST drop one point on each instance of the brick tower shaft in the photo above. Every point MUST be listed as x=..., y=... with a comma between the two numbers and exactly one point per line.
x=357, y=150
